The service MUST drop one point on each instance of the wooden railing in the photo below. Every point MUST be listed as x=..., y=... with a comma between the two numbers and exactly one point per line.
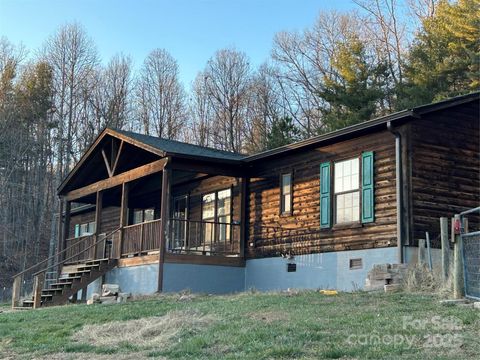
x=141, y=238
x=204, y=237
x=31, y=281
x=76, y=246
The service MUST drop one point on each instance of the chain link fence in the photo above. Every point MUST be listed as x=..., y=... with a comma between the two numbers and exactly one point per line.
x=5, y=294
x=471, y=263
x=471, y=256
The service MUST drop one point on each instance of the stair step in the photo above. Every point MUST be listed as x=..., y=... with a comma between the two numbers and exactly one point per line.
x=54, y=291
x=66, y=286
x=21, y=307
x=61, y=284
x=67, y=279
x=79, y=273
x=88, y=267
x=97, y=261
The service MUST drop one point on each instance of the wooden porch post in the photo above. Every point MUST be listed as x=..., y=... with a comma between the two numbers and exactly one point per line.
x=123, y=216
x=243, y=215
x=59, y=232
x=164, y=225
x=98, y=221
x=38, y=282
x=66, y=228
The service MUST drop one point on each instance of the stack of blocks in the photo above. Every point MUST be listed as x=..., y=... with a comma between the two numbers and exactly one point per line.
x=388, y=277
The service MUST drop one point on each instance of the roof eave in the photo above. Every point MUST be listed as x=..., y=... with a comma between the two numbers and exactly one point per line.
x=368, y=125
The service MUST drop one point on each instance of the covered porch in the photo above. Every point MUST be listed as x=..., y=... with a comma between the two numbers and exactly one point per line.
x=175, y=208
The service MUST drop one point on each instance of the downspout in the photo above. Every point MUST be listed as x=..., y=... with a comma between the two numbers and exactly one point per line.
x=399, y=192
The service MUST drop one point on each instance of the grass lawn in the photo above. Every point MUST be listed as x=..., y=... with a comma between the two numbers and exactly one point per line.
x=305, y=325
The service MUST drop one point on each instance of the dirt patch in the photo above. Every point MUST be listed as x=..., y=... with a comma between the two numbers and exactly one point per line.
x=158, y=331
x=269, y=316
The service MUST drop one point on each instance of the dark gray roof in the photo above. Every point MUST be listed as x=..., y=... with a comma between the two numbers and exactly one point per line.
x=369, y=125
x=181, y=148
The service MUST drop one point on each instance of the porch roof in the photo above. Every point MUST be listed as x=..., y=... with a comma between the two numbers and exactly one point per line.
x=173, y=147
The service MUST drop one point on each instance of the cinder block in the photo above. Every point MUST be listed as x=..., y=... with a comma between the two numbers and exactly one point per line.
x=392, y=287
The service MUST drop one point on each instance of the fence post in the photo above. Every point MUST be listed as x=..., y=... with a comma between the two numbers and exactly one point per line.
x=458, y=281
x=38, y=281
x=445, y=247
x=421, y=251
x=429, y=251
x=17, y=283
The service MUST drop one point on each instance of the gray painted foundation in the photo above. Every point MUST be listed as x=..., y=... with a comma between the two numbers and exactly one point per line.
x=138, y=280
x=203, y=278
x=411, y=256
x=315, y=271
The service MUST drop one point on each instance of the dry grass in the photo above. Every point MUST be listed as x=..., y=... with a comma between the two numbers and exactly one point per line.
x=419, y=279
x=269, y=316
x=157, y=331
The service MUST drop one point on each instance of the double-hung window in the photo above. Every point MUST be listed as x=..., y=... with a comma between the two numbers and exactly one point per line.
x=352, y=197
x=347, y=191
x=286, y=194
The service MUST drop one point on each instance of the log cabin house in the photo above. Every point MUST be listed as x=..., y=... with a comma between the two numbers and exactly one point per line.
x=154, y=215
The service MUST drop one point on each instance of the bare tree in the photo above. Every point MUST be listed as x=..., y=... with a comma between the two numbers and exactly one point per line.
x=200, y=112
x=265, y=107
x=73, y=58
x=422, y=9
x=111, y=93
x=227, y=76
x=160, y=97
x=384, y=26
x=304, y=60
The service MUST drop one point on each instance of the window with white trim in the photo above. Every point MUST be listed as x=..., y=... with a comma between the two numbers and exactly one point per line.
x=286, y=193
x=347, y=191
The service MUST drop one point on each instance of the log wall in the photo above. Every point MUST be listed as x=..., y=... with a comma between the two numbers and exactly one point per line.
x=301, y=233
x=445, y=178
x=110, y=219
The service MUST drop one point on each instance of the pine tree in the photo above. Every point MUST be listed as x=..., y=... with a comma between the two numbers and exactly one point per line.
x=354, y=88
x=444, y=59
x=282, y=132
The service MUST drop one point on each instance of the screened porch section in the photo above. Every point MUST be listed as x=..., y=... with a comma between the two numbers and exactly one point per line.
x=214, y=232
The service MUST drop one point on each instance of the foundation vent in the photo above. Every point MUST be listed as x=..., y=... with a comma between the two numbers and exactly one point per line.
x=356, y=264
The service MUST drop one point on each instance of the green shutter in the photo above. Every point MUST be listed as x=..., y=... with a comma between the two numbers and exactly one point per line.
x=77, y=230
x=325, y=195
x=368, y=199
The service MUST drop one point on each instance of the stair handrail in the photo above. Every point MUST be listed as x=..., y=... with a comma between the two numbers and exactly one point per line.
x=39, y=276
x=103, y=238
x=60, y=253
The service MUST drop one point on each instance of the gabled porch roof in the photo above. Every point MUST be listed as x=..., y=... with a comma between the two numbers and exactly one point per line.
x=103, y=159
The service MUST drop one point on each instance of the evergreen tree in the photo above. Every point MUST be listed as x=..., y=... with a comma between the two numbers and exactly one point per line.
x=444, y=59
x=282, y=132
x=354, y=88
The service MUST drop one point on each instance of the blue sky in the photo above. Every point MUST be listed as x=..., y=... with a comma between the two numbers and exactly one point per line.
x=190, y=30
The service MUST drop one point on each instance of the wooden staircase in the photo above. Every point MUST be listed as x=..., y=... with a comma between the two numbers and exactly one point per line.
x=73, y=279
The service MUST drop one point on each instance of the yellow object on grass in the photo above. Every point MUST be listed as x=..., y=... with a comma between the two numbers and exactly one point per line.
x=329, y=292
